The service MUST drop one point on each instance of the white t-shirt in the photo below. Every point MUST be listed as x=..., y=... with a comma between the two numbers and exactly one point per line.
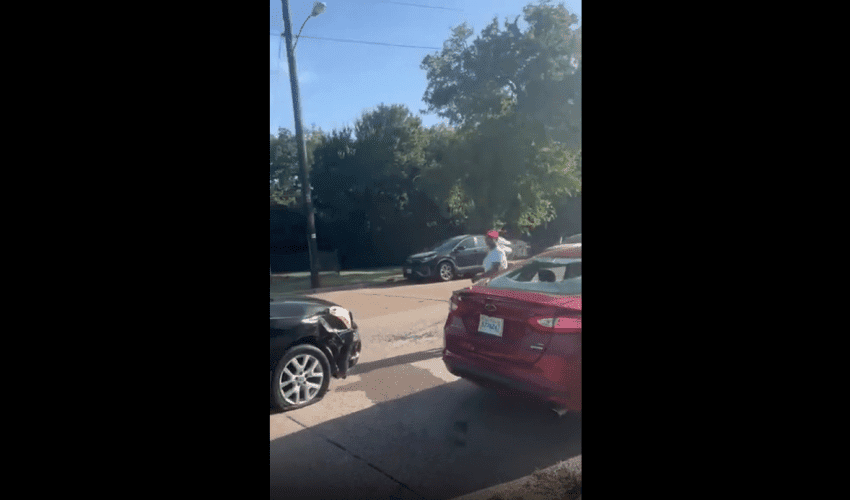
x=495, y=255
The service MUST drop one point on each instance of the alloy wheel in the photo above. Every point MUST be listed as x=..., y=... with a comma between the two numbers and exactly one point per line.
x=301, y=379
x=446, y=273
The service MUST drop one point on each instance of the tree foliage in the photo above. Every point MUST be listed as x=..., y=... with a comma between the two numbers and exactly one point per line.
x=515, y=98
x=536, y=73
x=283, y=168
x=377, y=159
x=364, y=183
x=494, y=176
x=284, y=183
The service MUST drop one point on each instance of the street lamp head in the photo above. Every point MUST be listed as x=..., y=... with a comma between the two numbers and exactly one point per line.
x=318, y=8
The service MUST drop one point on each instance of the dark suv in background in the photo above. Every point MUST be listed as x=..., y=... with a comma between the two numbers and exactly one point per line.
x=457, y=256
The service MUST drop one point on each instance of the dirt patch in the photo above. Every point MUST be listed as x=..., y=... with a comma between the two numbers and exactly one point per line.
x=429, y=331
x=559, y=482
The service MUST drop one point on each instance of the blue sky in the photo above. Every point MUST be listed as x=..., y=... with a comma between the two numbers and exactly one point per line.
x=339, y=81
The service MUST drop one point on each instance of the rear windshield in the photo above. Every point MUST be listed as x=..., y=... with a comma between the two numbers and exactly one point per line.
x=545, y=275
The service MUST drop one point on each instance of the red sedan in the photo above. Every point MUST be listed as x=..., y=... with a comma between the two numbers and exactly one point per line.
x=521, y=330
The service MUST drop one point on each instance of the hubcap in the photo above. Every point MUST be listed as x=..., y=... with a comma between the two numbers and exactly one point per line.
x=301, y=379
x=446, y=272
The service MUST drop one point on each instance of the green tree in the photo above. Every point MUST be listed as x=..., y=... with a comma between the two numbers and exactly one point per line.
x=283, y=168
x=363, y=181
x=284, y=183
x=536, y=73
x=493, y=175
x=551, y=96
x=390, y=147
x=514, y=97
x=334, y=175
x=378, y=158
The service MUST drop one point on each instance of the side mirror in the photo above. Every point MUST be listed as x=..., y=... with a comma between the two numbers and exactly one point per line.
x=459, y=248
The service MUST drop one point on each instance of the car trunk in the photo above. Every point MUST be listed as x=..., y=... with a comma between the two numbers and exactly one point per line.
x=518, y=343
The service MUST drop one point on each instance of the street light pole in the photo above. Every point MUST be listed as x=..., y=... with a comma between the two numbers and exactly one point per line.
x=301, y=146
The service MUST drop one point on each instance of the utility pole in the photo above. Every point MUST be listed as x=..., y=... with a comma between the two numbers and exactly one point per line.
x=301, y=147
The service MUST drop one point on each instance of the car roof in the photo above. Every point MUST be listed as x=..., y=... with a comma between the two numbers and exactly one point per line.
x=566, y=250
x=460, y=237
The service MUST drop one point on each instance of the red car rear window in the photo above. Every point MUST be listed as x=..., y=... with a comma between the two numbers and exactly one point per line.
x=549, y=275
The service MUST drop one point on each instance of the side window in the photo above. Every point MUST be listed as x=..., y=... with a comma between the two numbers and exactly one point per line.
x=468, y=243
x=573, y=270
x=479, y=242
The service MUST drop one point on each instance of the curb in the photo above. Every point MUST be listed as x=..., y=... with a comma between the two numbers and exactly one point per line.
x=355, y=286
x=313, y=291
x=534, y=486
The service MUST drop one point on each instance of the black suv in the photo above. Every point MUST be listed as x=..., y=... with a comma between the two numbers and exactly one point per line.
x=457, y=256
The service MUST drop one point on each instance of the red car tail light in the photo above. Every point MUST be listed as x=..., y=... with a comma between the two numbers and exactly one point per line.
x=563, y=324
x=457, y=298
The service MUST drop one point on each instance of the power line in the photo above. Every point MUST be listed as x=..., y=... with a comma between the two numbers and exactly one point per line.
x=370, y=43
x=425, y=6
x=271, y=33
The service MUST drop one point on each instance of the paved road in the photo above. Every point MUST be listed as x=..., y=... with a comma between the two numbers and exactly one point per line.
x=402, y=426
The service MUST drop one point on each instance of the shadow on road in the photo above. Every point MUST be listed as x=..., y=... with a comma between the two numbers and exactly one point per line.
x=440, y=442
x=364, y=368
x=397, y=360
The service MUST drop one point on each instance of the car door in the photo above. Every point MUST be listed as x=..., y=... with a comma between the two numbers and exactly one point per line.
x=464, y=254
x=480, y=253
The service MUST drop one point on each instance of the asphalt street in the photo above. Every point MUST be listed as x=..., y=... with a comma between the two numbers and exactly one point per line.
x=402, y=426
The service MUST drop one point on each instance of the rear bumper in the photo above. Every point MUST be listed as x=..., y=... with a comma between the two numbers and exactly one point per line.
x=531, y=380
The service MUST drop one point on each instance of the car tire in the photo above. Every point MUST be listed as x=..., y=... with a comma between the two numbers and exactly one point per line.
x=301, y=378
x=445, y=271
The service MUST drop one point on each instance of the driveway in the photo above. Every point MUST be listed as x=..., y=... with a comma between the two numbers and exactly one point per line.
x=402, y=426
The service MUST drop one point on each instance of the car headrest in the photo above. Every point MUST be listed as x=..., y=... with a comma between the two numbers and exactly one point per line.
x=546, y=275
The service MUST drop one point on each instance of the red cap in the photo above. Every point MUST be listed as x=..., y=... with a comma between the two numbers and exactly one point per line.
x=493, y=234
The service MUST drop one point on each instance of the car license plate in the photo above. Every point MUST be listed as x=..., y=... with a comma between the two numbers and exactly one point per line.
x=492, y=326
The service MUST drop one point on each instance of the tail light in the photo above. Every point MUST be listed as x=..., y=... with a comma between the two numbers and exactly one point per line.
x=561, y=324
x=455, y=301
